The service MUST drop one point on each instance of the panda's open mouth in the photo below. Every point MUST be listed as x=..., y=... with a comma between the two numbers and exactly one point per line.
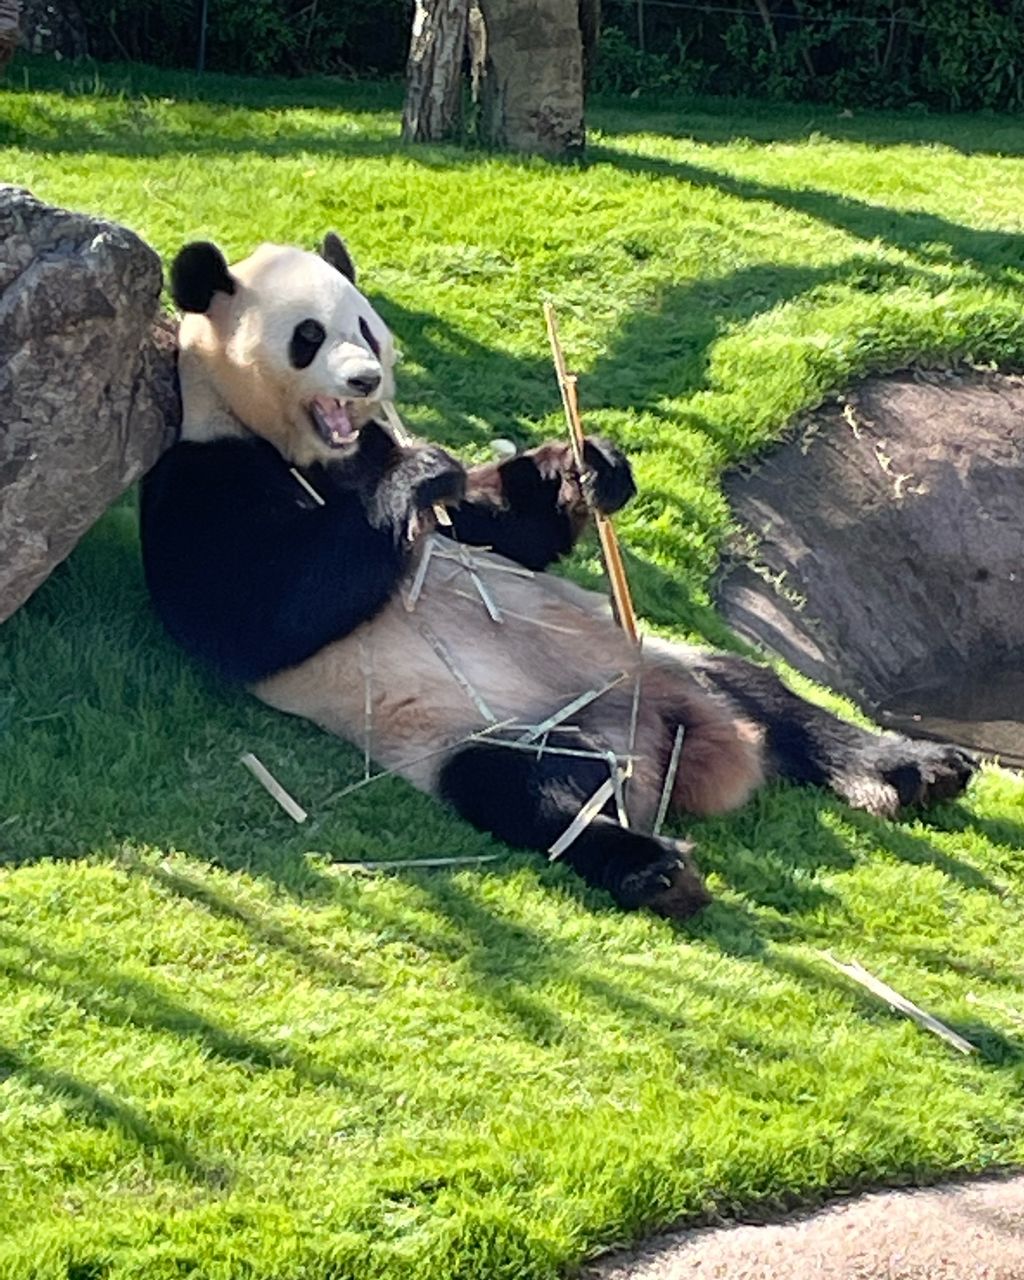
x=333, y=421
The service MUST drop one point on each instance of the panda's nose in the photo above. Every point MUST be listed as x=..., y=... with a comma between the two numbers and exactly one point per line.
x=366, y=384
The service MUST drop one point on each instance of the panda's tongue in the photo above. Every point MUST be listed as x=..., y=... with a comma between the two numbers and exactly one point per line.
x=332, y=420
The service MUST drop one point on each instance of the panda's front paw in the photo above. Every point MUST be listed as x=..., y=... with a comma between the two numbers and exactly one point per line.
x=439, y=478
x=608, y=477
x=606, y=483
x=424, y=477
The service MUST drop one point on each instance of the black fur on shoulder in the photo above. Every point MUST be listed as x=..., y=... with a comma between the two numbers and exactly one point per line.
x=197, y=273
x=250, y=574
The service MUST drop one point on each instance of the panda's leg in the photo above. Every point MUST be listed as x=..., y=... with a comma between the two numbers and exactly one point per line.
x=721, y=762
x=881, y=773
x=529, y=801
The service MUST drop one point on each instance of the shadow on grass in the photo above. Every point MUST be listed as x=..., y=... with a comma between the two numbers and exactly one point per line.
x=474, y=391
x=113, y=80
x=700, y=118
x=102, y=1110
x=721, y=121
x=996, y=255
x=936, y=241
x=262, y=930
x=114, y=997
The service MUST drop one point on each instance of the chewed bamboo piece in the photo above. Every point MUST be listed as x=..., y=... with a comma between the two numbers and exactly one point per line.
x=583, y=819
x=401, y=864
x=418, y=759
x=366, y=666
x=605, y=529
x=403, y=437
x=308, y=487
x=267, y=780
x=569, y=709
x=457, y=674
x=900, y=1003
x=670, y=780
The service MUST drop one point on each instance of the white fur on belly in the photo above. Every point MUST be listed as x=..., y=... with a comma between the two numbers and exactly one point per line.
x=562, y=643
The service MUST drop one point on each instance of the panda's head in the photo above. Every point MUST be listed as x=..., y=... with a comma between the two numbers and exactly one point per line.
x=283, y=345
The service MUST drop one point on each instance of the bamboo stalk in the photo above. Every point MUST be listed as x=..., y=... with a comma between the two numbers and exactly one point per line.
x=399, y=864
x=267, y=780
x=621, y=598
x=900, y=1003
x=569, y=709
x=583, y=819
x=670, y=780
x=418, y=759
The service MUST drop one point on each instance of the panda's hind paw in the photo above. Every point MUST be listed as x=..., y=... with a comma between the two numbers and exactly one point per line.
x=670, y=885
x=943, y=772
x=916, y=774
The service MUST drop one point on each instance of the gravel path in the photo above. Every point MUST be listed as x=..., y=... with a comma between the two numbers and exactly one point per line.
x=973, y=1231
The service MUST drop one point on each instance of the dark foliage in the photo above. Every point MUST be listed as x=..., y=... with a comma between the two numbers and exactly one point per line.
x=855, y=53
x=287, y=36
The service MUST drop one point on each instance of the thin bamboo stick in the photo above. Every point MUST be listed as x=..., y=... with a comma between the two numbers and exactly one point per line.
x=670, y=780
x=588, y=812
x=267, y=780
x=621, y=598
x=899, y=1002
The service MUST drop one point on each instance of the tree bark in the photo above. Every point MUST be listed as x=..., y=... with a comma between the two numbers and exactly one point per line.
x=532, y=97
x=10, y=13
x=433, y=94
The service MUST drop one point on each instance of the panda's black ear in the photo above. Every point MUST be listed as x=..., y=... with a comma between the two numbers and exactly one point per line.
x=197, y=273
x=333, y=251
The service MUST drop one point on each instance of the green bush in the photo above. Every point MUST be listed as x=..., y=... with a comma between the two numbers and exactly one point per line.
x=948, y=54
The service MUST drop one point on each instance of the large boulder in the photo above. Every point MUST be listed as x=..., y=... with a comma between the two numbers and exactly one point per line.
x=88, y=393
x=883, y=547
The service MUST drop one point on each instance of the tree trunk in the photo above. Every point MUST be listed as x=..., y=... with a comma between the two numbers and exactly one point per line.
x=532, y=97
x=590, y=30
x=10, y=13
x=433, y=93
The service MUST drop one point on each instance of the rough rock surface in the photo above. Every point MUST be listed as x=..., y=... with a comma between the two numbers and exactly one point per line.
x=88, y=395
x=883, y=546
x=972, y=1232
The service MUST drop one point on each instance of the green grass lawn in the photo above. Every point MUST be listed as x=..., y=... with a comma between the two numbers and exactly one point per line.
x=223, y=1059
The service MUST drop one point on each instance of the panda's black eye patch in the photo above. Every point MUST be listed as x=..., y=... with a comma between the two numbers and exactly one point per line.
x=307, y=339
x=368, y=337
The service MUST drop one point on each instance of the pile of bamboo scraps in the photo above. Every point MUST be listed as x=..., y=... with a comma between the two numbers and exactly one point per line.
x=457, y=565
x=463, y=561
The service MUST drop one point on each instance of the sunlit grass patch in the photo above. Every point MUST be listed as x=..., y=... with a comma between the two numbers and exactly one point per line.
x=222, y=1056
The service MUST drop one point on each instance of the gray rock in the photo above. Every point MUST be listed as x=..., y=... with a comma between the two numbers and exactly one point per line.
x=88, y=394
x=884, y=544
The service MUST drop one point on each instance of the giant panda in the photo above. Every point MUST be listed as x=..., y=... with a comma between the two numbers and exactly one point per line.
x=292, y=545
